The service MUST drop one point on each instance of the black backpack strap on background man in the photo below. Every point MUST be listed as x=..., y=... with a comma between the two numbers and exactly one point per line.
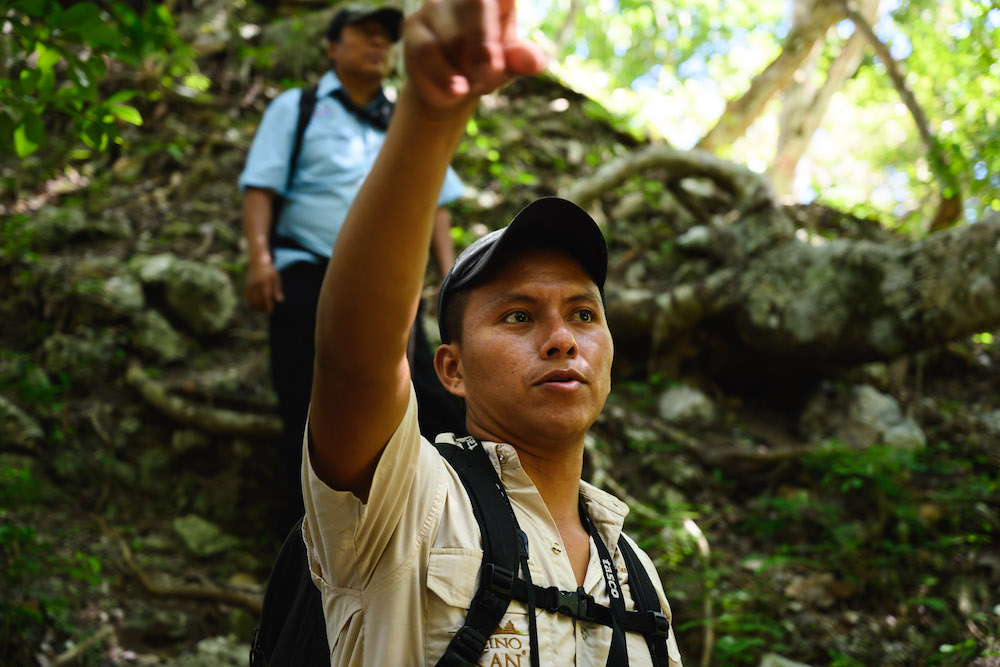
x=307, y=104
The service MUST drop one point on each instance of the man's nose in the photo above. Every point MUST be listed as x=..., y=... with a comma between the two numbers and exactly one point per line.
x=559, y=341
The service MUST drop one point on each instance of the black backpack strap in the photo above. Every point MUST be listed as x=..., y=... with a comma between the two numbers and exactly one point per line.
x=656, y=627
x=618, y=653
x=292, y=629
x=498, y=573
x=307, y=104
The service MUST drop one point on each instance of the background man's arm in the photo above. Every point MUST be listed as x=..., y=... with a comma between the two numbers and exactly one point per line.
x=455, y=51
x=263, y=286
x=442, y=248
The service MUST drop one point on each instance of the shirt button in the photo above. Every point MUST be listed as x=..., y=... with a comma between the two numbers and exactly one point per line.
x=556, y=549
x=501, y=458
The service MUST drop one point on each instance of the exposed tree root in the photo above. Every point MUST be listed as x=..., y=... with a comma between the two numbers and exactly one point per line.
x=213, y=420
x=251, y=603
x=103, y=634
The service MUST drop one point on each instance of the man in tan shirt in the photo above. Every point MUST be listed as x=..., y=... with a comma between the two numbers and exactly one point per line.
x=392, y=541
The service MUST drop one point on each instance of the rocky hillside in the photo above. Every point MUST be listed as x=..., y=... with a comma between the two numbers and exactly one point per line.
x=852, y=519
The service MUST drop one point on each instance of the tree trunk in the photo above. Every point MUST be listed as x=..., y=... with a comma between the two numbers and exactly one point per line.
x=804, y=107
x=815, y=305
x=740, y=113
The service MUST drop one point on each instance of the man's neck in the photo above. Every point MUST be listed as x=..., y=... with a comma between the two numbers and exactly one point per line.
x=557, y=479
x=361, y=90
x=558, y=483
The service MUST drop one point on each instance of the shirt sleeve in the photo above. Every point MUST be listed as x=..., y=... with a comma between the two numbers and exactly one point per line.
x=267, y=161
x=451, y=189
x=355, y=545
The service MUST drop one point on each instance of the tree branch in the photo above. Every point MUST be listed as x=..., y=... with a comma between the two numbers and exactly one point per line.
x=742, y=112
x=949, y=207
x=747, y=188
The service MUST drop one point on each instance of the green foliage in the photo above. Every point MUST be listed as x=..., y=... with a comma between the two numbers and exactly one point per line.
x=56, y=56
x=16, y=238
x=35, y=576
x=33, y=384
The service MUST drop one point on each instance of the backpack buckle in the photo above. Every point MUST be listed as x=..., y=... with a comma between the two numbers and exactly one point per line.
x=577, y=604
x=465, y=648
x=498, y=579
x=661, y=624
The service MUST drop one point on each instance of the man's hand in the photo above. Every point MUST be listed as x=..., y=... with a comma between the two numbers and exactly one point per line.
x=457, y=49
x=263, y=287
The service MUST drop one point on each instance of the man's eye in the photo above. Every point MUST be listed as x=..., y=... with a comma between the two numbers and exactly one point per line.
x=517, y=317
x=585, y=315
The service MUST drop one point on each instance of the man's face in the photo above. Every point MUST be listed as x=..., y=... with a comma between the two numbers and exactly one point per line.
x=534, y=361
x=363, y=50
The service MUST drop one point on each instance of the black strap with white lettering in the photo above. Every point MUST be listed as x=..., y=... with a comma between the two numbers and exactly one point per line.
x=618, y=655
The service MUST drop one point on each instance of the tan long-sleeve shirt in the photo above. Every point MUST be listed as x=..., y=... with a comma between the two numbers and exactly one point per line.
x=397, y=574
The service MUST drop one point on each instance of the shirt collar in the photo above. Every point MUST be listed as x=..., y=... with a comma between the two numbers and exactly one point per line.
x=606, y=512
x=329, y=83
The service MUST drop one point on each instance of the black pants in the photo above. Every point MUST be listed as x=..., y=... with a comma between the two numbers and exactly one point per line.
x=292, y=332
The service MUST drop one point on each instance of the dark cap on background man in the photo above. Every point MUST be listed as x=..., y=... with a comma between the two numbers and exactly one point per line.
x=390, y=17
x=549, y=222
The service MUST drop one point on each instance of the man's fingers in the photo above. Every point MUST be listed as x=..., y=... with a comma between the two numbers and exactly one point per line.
x=437, y=80
x=277, y=294
x=524, y=58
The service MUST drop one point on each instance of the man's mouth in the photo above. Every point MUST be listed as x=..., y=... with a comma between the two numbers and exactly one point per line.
x=562, y=377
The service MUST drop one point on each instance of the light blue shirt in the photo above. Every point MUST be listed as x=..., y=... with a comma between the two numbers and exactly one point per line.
x=338, y=150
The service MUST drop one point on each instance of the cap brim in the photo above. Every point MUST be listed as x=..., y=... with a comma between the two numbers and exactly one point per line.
x=390, y=17
x=549, y=222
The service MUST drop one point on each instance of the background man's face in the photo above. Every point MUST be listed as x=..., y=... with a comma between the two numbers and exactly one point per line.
x=363, y=49
x=536, y=351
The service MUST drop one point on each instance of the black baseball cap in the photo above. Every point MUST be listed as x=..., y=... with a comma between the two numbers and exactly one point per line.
x=549, y=222
x=390, y=17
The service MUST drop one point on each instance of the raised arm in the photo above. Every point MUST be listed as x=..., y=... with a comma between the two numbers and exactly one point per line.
x=455, y=51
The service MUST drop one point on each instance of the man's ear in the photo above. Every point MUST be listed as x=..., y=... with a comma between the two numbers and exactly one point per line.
x=448, y=365
x=331, y=49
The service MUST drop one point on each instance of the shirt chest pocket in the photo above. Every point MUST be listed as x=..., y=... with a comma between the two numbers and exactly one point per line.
x=452, y=576
x=337, y=152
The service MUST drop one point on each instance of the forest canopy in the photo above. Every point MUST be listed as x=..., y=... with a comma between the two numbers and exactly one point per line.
x=879, y=106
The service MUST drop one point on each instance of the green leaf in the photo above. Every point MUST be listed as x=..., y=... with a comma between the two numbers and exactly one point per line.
x=47, y=57
x=23, y=146
x=34, y=8
x=121, y=96
x=80, y=17
x=127, y=113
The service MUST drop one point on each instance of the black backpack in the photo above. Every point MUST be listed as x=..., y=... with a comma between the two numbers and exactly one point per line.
x=292, y=629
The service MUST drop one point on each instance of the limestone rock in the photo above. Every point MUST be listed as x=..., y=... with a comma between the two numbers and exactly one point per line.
x=775, y=660
x=17, y=427
x=217, y=652
x=202, y=537
x=156, y=339
x=861, y=416
x=201, y=295
x=686, y=405
x=83, y=356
